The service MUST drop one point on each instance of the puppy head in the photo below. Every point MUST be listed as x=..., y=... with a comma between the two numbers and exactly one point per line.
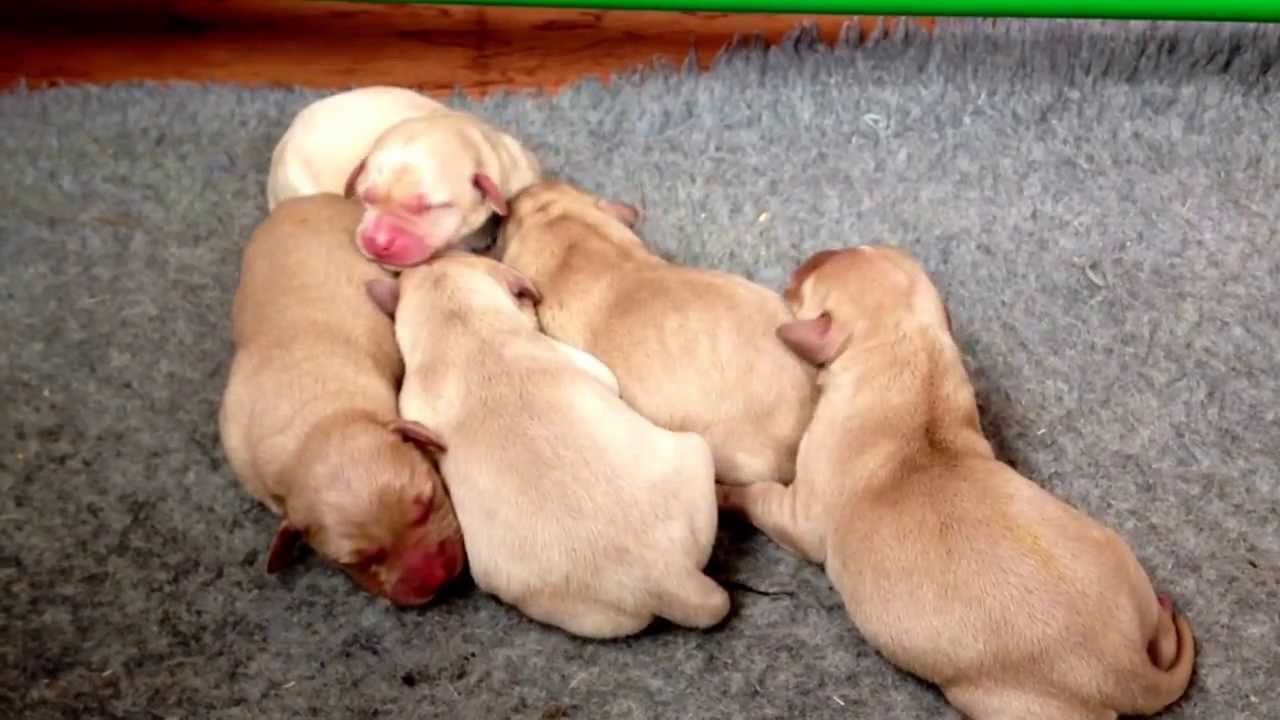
x=423, y=189
x=857, y=295
x=566, y=194
x=456, y=282
x=373, y=503
x=550, y=201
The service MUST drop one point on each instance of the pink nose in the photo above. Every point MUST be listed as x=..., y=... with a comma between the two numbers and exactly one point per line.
x=425, y=570
x=382, y=239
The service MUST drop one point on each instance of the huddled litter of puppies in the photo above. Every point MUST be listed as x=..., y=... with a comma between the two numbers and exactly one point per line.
x=446, y=361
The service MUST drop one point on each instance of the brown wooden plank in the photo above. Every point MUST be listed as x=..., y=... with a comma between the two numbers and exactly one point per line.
x=340, y=44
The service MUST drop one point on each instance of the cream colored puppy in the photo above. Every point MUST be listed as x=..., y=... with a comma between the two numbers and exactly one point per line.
x=576, y=510
x=430, y=183
x=308, y=421
x=329, y=138
x=950, y=563
x=694, y=350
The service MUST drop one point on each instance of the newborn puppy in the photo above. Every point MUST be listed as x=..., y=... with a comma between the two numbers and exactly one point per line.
x=952, y=565
x=694, y=350
x=431, y=182
x=328, y=138
x=576, y=510
x=308, y=420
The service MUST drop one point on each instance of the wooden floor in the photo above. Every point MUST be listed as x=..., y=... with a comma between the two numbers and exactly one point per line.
x=339, y=44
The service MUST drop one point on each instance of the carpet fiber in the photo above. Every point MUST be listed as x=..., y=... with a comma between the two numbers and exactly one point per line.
x=1097, y=202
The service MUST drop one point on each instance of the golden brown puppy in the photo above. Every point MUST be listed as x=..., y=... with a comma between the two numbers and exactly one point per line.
x=576, y=510
x=694, y=350
x=951, y=564
x=309, y=422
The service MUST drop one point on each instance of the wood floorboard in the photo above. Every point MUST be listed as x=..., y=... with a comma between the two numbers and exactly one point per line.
x=323, y=44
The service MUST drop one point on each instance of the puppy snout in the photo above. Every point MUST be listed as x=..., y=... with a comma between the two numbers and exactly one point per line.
x=381, y=238
x=389, y=242
x=425, y=570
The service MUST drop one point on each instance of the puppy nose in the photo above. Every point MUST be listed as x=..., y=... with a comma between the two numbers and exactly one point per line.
x=380, y=240
x=425, y=570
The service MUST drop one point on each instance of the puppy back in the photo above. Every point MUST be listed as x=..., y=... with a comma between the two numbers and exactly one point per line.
x=301, y=264
x=323, y=223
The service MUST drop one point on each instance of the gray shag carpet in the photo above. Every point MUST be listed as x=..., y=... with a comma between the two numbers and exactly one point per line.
x=1099, y=203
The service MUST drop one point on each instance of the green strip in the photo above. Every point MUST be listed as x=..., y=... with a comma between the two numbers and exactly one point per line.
x=1223, y=10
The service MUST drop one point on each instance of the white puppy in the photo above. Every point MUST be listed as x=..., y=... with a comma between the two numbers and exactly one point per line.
x=430, y=183
x=328, y=139
x=573, y=507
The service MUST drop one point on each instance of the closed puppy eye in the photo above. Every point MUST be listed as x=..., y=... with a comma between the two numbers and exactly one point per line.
x=420, y=206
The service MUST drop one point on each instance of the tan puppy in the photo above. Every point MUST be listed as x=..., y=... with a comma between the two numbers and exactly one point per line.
x=328, y=138
x=431, y=182
x=576, y=510
x=951, y=564
x=309, y=422
x=694, y=350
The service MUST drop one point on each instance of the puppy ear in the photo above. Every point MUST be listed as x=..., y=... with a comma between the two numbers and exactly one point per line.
x=814, y=340
x=385, y=293
x=284, y=548
x=807, y=268
x=492, y=194
x=624, y=212
x=519, y=285
x=418, y=434
x=350, y=189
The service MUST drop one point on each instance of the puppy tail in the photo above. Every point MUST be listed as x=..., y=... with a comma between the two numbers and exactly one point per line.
x=1165, y=673
x=692, y=600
